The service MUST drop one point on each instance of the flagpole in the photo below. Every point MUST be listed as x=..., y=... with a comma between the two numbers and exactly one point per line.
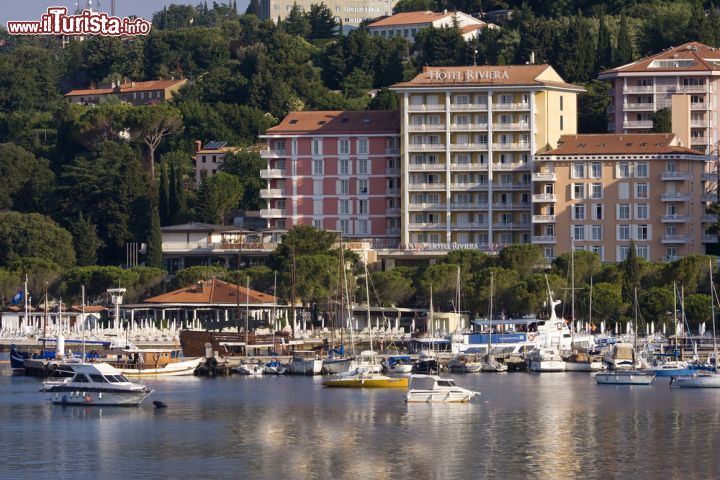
x=27, y=309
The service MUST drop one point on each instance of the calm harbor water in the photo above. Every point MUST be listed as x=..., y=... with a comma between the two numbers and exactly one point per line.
x=524, y=426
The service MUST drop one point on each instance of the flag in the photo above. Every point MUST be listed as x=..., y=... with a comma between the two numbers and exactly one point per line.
x=18, y=298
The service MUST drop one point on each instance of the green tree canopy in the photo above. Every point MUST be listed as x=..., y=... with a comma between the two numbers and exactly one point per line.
x=219, y=194
x=34, y=235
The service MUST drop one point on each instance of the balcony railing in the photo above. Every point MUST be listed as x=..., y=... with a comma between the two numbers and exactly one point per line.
x=544, y=197
x=464, y=127
x=511, y=206
x=468, y=226
x=511, y=146
x=709, y=218
x=392, y=171
x=466, y=186
x=638, y=124
x=272, y=193
x=511, y=106
x=676, y=176
x=392, y=191
x=427, y=226
x=675, y=197
x=639, y=106
x=691, y=89
x=698, y=140
x=675, y=239
x=468, y=206
x=675, y=218
x=392, y=151
x=544, y=218
x=465, y=107
x=544, y=239
x=426, y=128
x=544, y=176
x=392, y=211
x=511, y=126
x=427, y=186
x=698, y=123
x=426, y=167
x=426, y=147
x=468, y=166
x=512, y=186
x=638, y=89
x=465, y=147
x=426, y=206
x=512, y=226
x=510, y=166
x=709, y=238
x=699, y=106
x=426, y=108
x=709, y=197
x=270, y=173
x=710, y=177
x=273, y=213
x=268, y=153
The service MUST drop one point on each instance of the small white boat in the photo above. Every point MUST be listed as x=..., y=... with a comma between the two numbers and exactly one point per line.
x=622, y=356
x=305, y=362
x=491, y=365
x=155, y=362
x=367, y=362
x=707, y=380
x=625, y=377
x=433, y=389
x=398, y=364
x=252, y=369
x=275, y=368
x=546, y=359
x=91, y=384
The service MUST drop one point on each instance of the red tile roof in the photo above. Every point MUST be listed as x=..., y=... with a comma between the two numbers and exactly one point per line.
x=130, y=87
x=213, y=291
x=696, y=51
x=339, y=122
x=620, y=144
x=410, y=18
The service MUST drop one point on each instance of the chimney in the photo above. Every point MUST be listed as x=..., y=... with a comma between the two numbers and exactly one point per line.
x=532, y=58
x=445, y=11
x=198, y=145
x=132, y=84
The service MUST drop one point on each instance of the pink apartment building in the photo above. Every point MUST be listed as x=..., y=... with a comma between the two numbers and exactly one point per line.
x=336, y=171
x=682, y=78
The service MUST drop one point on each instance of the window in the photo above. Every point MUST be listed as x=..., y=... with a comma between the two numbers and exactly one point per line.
x=643, y=251
x=623, y=232
x=362, y=227
x=317, y=207
x=623, y=170
x=344, y=207
x=624, y=191
x=362, y=146
x=316, y=146
x=562, y=123
x=362, y=207
x=344, y=167
x=596, y=170
x=578, y=170
x=596, y=190
x=317, y=187
x=561, y=103
x=578, y=232
x=670, y=253
x=641, y=211
x=578, y=212
x=578, y=191
x=623, y=211
x=597, y=249
x=641, y=170
x=363, y=187
x=345, y=226
x=641, y=232
x=623, y=252
x=597, y=232
x=344, y=187
x=317, y=224
x=641, y=190
x=363, y=166
x=317, y=167
x=344, y=146
x=597, y=211
x=204, y=158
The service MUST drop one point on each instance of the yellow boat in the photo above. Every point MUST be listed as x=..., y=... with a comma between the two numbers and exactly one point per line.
x=367, y=381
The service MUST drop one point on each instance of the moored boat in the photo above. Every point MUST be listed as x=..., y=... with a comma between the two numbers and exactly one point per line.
x=363, y=379
x=274, y=367
x=624, y=377
x=251, y=369
x=426, y=364
x=465, y=364
x=305, y=362
x=154, y=362
x=705, y=380
x=546, y=359
x=397, y=364
x=434, y=389
x=582, y=362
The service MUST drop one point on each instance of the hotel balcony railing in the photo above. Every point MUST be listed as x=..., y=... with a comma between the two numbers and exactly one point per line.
x=639, y=106
x=512, y=226
x=510, y=166
x=638, y=89
x=544, y=176
x=544, y=197
x=468, y=226
x=469, y=166
x=698, y=140
x=544, y=218
x=272, y=193
x=511, y=106
x=697, y=123
x=691, y=89
x=468, y=147
x=676, y=176
x=699, y=106
x=468, y=186
x=464, y=127
x=511, y=206
x=709, y=238
x=392, y=171
x=392, y=211
x=675, y=239
x=392, y=151
x=427, y=226
x=638, y=124
x=426, y=147
x=464, y=107
x=426, y=108
x=273, y=213
x=426, y=206
x=675, y=197
x=511, y=126
x=709, y=218
x=675, y=218
x=426, y=128
x=268, y=153
x=426, y=167
x=544, y=239
x=427, y=186
x=511, y=146
x=270, y=173
x=468, y=206
x=512, y=186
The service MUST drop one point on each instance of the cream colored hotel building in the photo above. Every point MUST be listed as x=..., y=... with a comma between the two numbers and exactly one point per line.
x=469, y=136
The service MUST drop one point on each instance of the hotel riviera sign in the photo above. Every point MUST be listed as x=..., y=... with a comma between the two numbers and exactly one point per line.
x=467, y=75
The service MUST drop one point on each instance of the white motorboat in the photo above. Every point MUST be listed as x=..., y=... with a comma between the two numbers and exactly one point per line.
x=305, y=362
x=93, y=384
x=546, y=359
x=368, y=362
x=625, y=377
x=622, y=356
x=398, y=364
x=433, y=389
x=493, y=365
x=252, y=369
x=275, y=368
x=707, y=380
x=154, y=362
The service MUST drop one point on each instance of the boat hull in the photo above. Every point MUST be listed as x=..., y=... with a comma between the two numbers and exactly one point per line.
x=306, y=367
x=583, y=366
x=427, y=367
x=177, y=369
x=89, y=399
x=398, y=368
x=369, y=382
x=709, y=381
x=440, y=396
x=624, y=378
x=672, y=372
x=336, y=366
x=546, y=366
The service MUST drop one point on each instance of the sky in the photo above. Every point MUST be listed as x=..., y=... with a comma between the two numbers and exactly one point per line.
x=33, y=9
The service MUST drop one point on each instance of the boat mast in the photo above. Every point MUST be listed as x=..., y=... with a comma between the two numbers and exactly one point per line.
x=590, y=312
x=348, y=305
x=293, y=293
x=367, y=296
x=247, y=311
x=82, y=316
x=490, y=317
x=25, y=298
x=675, y=314
x=457, y=292
x=274, y=310
x=572, y=284
x=635, y=332
x=712, y=306
x=45, y=317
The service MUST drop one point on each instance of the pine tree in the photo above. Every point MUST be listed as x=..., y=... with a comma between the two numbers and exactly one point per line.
x=623, y=52
x=164, y=197
x=630, y=268
x=154, y=242
x=253, y=8
x=85, y=241
x=603, y=56
x=234, y=7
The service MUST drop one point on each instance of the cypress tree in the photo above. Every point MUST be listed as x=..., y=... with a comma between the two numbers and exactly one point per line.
x=603, y=56
x=630, y=268
x=253, y=8
x=180, y=197
x=85, y=241
x=623, y=52
x=172, y=194
x=154, y=241
x=165, y=212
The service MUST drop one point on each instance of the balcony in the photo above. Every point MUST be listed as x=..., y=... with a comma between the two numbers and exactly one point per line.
x=511, y=206
x=392, y=151
x=544, y=177
x=426, y=167
x=469, y=186
x=709, y=238
x=511, y=126
x=393, y=231
x=419, y=207
x=392, y=211
x=544, y=197
x=699, y=123
x=510, y=166
x=426, y=108
x=467, y=107
x=675, y=218
x=511, y=146
x=465, y=127
x=512, y=226
x=512, y=186
x=427, y=226
x=709, y=197
x=691, y=89
x=426, y=128
x=544, y=239
x=272, y=193
x=679, y=176
x=699, y=106
x=468, y=226
x=392, y=191
x=544, y=218
x=675, y=197
x=426, y=147
x=468, y=147
x=426, y=186
x=698, y=140
x=273, y=213
x=511, y=106
x=709, y=177
x=392, y=171
x=267, y=153
x=638, y=89
x=675, y=239
x=271, y=173
x=639, y=107
x=468, y=166
x=709, y=218
x=468, y=206
x=638, y=124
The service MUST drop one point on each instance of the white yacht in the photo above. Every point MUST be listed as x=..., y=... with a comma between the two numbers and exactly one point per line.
x=252, y=369
x=305, y=362
x=398, y=364
x=93, y=384
x=625, y=377
x=546, y=359
x=433, y=389
x=707, y=380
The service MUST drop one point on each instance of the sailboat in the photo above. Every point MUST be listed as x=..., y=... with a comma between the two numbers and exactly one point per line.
x=338, y=361
x=546, y=356
x=580, y=361
x=633, y=376
x=702, y=378
x=670, y=364
x=491, y=364
x=427, y=362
